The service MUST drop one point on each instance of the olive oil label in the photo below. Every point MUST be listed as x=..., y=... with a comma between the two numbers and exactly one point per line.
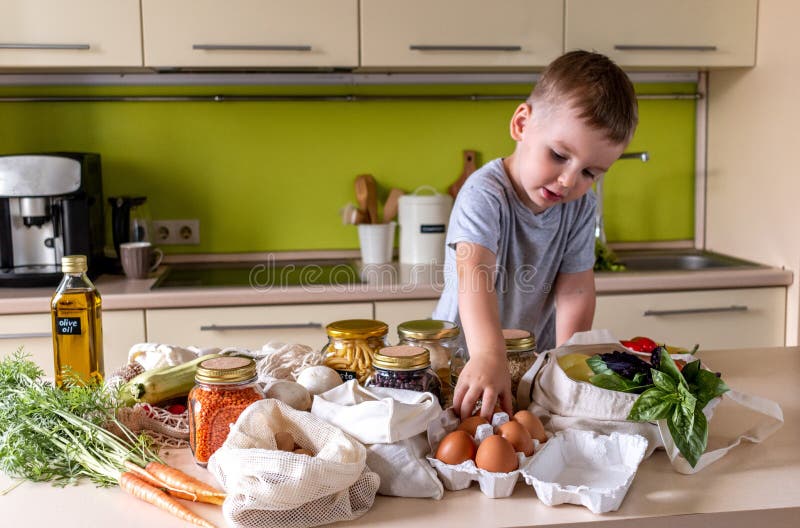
x=69, y=325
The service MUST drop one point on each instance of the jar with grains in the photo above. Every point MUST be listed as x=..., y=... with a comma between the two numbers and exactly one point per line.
x=520, y=353
x=224, y=387
x=405, y=367
x=351, y=345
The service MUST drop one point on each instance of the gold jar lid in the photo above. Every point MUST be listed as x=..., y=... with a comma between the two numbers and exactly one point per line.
x=74, y=264
x=402, y=357
x=427, y=329
x=518, y=340
x=357, y=328
x=226, y=369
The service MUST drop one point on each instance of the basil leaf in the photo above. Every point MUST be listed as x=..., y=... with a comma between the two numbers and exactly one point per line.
x=664, y=381
x=667, y=366
x=615, y=382
x=690, y=434
x=654, y=404
x=598, y=366
x=687, y=400
x=690, y=371
x=709, y=386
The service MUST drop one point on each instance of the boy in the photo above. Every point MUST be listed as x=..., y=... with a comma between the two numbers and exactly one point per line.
x=520, y=243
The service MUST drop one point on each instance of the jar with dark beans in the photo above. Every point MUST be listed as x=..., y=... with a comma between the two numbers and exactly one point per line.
x=405, y=367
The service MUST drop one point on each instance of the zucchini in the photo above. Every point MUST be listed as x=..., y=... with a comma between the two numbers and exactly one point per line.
x=161, y=385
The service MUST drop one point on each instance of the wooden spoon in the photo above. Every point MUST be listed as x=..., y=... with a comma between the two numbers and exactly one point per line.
x=367, y=197
x=390, y=205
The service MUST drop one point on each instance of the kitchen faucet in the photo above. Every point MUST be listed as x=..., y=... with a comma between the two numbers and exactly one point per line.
x=599, y=230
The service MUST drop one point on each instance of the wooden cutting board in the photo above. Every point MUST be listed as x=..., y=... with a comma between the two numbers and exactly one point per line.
x=470, y=166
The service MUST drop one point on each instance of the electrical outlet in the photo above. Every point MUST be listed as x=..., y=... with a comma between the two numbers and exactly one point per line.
x=175, y=232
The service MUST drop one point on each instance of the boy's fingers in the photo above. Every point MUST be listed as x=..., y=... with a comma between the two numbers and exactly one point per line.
x=506, y=403
x=468, y=403
x=487, y=403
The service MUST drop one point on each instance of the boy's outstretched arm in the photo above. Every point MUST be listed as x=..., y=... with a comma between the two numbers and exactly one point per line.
x=575, y=301
x=485, y=375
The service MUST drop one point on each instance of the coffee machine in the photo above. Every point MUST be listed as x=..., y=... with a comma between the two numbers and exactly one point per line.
x=51, y=205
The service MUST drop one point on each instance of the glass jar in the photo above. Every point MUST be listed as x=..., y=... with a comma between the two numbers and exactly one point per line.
x=441, y=338
x=520, y=354
x=224, y=387
x=405, y=367
x=351, y=345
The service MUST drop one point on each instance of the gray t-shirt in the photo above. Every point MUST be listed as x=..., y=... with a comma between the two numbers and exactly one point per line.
x=531, y=249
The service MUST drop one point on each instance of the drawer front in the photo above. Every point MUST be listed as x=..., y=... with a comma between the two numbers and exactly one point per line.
x=675, y=33
x=48, y=33
x=121, y=329
x=250, y=326
x=460, y=33
x=713, y=319
x=394, y=313
x=258, y=33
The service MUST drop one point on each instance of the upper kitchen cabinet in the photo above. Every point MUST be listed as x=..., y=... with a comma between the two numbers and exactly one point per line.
x=250, y=33
x=465, y=34
x=665, y=33
x=78, y=33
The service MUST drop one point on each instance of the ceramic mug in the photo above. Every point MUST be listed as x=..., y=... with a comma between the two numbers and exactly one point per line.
x=139, y=259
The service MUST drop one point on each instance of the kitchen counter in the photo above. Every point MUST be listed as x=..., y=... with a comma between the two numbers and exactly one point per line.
x=389, y=282
x=754, y=485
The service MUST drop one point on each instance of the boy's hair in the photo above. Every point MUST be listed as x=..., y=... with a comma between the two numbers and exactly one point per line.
x=596, y=86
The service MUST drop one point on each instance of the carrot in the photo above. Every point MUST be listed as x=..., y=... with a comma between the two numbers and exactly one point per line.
x=140, y=489
x=177, y=479
x=156, y=483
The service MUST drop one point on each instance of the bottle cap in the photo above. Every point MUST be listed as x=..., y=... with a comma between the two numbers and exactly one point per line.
x=74, y=264
x=427, y=329
x=226, y=369
x=401, y=357
x=357, y=328
x=518, y=340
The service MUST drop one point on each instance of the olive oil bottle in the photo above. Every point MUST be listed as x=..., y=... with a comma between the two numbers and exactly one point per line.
x=77, y=325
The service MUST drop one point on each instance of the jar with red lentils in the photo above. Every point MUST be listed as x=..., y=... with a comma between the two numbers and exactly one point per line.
x=224, y=387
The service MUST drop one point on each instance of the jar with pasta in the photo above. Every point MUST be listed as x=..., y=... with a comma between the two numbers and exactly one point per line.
x=520, y=353
x=224, y=387
x=351, y=345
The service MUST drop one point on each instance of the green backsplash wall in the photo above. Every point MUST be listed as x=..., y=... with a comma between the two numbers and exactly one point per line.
x=263, y=176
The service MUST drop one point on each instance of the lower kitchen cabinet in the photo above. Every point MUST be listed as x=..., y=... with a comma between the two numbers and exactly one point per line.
x=121, y=329
x=394, y=313
x=250, y=326
x=735, y=318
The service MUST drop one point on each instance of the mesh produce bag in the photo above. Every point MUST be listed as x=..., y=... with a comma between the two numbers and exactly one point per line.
x=271, y=488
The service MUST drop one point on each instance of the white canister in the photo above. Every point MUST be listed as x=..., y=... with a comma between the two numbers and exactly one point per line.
x=423, y=225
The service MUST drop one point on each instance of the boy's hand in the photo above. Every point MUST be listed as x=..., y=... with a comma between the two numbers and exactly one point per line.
x=485, y=377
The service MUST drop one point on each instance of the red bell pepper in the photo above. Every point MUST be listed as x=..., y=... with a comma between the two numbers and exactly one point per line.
x=640, y=344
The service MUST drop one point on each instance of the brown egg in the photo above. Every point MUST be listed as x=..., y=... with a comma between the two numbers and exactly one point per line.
x=496, y=454
x=455, y=448
x=532, y=423
x=470, y=425
x=519, y=437
x=284, y=441
x=302, y=451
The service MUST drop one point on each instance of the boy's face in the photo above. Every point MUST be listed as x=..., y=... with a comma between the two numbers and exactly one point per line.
x=558, y=156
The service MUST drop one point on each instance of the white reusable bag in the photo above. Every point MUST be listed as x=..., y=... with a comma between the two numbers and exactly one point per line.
x=271, y=488
x=564, y=403
x=392, y=423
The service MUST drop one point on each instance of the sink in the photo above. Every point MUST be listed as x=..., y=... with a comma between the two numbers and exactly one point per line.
x=680, y=260
x=268, y=274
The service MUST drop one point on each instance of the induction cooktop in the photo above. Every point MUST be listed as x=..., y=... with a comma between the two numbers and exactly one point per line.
x=259, y=275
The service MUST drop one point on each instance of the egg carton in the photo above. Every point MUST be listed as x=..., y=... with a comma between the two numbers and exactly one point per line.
x=584, y=468
x=461, y=476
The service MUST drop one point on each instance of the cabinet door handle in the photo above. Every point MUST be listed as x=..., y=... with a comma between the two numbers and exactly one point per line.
x=249, y=47
x=649, y=47
x=287, y=326
x=424, y=47
x=22, y=45
x=26, y=335
x=685, y=311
